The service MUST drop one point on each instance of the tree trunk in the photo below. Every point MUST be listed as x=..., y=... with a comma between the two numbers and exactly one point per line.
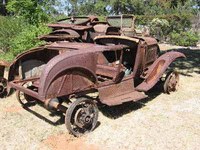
x=3, y=9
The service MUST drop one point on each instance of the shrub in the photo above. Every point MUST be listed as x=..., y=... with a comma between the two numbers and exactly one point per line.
x=188, y=38
x=159, y=28
x=9, y=28
x=27, y=39
x=177, y=22
x=31, y=11
x=17, y=36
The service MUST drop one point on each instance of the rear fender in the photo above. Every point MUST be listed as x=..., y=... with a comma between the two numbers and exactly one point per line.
x=157, y=69
x=67, y=31
x=60, y=72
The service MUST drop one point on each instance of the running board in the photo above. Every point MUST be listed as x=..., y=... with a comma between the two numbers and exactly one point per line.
x=117, y=100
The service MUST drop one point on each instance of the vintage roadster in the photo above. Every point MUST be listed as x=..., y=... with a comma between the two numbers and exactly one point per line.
x=61, y=74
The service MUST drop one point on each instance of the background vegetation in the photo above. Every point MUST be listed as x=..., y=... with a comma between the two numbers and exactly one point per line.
x=21, y=22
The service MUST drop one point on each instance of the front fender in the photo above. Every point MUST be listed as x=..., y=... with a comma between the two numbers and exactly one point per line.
x=157, y=69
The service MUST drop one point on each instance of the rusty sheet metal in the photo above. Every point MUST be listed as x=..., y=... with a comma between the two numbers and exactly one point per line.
x=82, y=58
x=25, y=90
x=84, y=47
x=136, y=40
x=148, y=40
x=119, y=93
x=69, y=26
x=106, y=70
x=157, y=69
x=101, y=28
x=138, y=66
x=59, y=37
x=58, y=64
x=61, y=34
x=93, y=18
x=98, y=22
x=78, y=20
x=68, y=46
x=70, y=32
x=117, y=100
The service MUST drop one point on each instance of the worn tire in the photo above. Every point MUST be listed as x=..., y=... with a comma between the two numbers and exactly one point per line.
x=171, y=83
x=81, y=116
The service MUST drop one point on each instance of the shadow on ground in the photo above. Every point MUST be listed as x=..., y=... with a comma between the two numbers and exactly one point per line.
x=60, y=121
x=115, y=112
x=188, y=65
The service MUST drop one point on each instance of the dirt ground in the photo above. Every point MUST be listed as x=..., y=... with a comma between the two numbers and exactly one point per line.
x=159, y=122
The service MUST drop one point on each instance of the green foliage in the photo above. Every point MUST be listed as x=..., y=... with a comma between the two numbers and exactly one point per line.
x=188, y=38
x=17, y=36
x=9, y=28
x=173, y=28
x=87, y=7
x=28, y=10
x=27, y=39
x=18, y=32
x=177, y=22
x=164, y=24
x=159, y=27
x=137, y=7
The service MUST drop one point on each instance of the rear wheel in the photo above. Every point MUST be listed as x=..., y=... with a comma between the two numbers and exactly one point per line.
x=24, y=99
x=81, y=116
x=171, y=83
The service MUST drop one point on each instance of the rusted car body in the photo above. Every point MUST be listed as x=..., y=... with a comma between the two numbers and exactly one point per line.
x=56, y=73
x=80, y=29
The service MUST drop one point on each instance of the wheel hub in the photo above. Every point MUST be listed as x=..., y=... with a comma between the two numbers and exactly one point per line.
x=82, y=119
x=81, y=116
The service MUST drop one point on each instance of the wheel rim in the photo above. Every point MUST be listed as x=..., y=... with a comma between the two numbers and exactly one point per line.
x=25, y=99
x=171, y=83
x=81, y=116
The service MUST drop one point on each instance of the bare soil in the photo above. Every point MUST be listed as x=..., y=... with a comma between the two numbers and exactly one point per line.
x=161, y=121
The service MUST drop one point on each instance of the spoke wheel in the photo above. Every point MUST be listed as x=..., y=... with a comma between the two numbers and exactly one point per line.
x=81, y=116
x=3, y=87
x=24, y=99
x=171, y=83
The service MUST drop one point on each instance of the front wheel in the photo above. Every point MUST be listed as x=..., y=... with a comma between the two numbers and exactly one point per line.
x=171, y=83
x=81, y=116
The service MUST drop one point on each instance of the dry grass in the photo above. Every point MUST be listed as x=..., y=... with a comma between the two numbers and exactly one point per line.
x=164, y=122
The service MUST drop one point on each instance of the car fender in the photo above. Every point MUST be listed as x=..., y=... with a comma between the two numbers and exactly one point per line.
x=59, y=67
x=157, y=69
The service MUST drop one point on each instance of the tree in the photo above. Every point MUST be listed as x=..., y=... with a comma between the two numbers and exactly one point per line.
x=34, y=11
